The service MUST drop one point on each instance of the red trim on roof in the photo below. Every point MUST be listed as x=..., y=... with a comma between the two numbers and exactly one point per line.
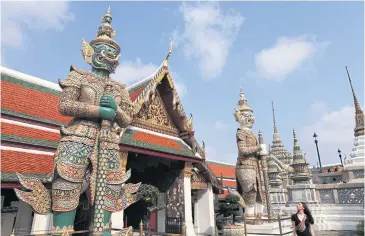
x=134, y=95
x=158, y=154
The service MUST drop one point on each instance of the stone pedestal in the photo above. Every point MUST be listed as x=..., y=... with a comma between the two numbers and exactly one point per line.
x=279, y=197
x=302, y=193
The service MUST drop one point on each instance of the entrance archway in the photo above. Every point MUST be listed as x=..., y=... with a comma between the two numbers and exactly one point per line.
x=156, y=171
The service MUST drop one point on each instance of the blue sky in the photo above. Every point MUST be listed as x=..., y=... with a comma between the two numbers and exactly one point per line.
x=292, y=53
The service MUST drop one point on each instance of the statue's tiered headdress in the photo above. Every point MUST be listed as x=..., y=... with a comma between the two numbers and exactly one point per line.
x=244, y=114
x=105, y=33
x=243, y=102
x=102, y=52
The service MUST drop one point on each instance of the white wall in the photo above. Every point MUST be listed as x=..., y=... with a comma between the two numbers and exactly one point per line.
x=205, y=211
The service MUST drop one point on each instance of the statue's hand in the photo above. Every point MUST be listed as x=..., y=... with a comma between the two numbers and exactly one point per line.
x=106, y=113
x=108, y=101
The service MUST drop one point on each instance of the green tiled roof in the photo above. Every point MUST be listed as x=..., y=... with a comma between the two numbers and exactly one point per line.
x=6, y=176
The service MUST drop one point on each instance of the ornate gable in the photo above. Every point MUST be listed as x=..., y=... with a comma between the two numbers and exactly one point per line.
x=153, y=116
x=197, y=181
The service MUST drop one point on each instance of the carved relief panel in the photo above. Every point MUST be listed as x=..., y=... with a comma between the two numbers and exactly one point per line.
x=153, y=116
x=175, y=198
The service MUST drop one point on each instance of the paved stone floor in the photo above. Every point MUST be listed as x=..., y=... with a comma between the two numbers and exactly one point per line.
x=336, y=233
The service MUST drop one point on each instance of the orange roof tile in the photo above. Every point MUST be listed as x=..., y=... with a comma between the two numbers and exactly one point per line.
x=28, y=132
x=227, y=171
x=27, y=163
x=224, y=194
x=156, y=140
x=229, y=183
x=32, y=102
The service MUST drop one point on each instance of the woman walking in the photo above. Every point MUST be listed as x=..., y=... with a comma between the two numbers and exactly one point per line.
x=302, y=221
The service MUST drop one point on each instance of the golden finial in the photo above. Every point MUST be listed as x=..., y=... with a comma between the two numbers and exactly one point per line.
x=108, y=11
x=170, y=51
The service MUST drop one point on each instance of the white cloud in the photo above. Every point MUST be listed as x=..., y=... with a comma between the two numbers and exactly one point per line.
x=334, y=130
x=220, y=126
x=18, y=16
x=130, y=72
x=208, y=35
x=287, y=55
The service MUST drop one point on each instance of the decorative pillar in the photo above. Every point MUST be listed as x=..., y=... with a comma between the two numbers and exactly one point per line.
x=161, y=214
x=117, y=219
x=206, y=217
x=187, y=200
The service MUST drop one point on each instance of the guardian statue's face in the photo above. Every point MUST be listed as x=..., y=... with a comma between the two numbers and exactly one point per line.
x=105, y=57
x=246, y=119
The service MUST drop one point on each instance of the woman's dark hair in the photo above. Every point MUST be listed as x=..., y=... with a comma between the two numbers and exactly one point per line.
x=308, y=213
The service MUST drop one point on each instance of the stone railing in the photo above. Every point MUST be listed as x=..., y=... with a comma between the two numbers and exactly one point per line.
x=352, y=174
x=340, y=193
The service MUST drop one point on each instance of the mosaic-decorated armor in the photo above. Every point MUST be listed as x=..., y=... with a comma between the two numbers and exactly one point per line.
x=249, y=175
x=88, y=157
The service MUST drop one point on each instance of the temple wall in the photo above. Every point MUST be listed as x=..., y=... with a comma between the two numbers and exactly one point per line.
x=340, y=206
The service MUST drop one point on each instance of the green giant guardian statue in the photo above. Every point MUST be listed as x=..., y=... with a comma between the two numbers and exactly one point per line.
x=88, y=156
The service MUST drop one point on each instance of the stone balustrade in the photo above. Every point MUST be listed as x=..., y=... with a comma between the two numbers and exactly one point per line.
x=340, y=193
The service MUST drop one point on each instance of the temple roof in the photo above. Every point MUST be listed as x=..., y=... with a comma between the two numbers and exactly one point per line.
x=146, y=139
x=34, y=96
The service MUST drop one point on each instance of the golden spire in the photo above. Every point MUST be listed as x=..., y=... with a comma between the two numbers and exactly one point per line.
x=168, y=54
x=359, y=115
x=170, y=51
x=356, y=101
x=273, y=117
